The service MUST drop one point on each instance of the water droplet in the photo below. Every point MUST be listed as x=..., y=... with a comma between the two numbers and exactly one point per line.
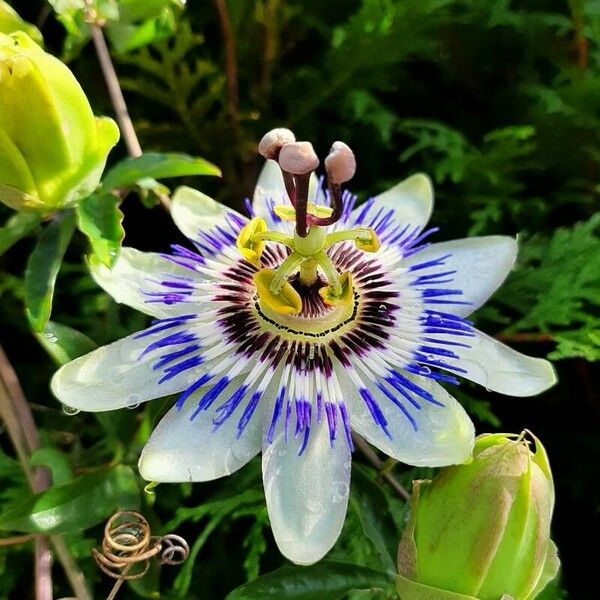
x=425, y=370
x=340, y=489
x=134, y=401
x=50, y=337
x=69, y=410
x=382, y=308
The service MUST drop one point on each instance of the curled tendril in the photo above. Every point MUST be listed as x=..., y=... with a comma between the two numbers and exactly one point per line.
x=128, y=547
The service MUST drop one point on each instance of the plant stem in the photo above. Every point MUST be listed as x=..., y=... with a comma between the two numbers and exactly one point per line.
x=16, y=414
x=525, y=337
x=379, y=465
x=111, y=79
x=43, y=569
x=231, y=68
x=16, y=540
x=114, y=88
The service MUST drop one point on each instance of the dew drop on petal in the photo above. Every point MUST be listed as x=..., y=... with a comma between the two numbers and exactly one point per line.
x=340, y=489
x=69, y=410
x=134, y=401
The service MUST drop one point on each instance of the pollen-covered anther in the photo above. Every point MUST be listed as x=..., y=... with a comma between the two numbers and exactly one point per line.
x=334, y=297
x=288, y=213
x=368, y=242
x=250, y=247
x=285, y=302
x=298, y=158
x=340, y=163
x=272, y=142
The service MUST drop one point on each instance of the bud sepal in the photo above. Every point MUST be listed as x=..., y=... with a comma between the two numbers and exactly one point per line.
x=52, y=148
x=481, y=530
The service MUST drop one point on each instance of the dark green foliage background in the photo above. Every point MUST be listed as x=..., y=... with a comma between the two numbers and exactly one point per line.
x=498, y=101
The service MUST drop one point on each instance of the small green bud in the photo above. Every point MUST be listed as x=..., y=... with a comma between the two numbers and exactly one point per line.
x=481, y=530
x=10, y=22
x=52, y=148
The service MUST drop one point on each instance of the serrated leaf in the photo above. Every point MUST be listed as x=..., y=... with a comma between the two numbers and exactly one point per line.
x=17, y=227
x=369, y=501
x=156, y=165
x=75, y=505
x=584, y=343
x=555, y=288
x=99, y=218
x=326, y=580
x=43, y=266
x=63, y=343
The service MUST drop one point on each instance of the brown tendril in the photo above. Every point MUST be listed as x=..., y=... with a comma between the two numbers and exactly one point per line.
x=128, y=547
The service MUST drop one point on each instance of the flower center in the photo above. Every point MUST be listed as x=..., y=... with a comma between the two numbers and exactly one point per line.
x=316, y=321
x=308, y=260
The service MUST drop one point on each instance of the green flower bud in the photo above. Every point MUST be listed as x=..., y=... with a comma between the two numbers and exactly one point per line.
x=481, y=531
x=52, y=148
x=10, y=22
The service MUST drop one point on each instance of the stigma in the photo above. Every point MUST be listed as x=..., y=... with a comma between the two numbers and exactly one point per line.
x=308, y=263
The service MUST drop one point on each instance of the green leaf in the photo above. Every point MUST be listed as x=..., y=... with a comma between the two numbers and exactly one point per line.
x=43, y=266
x=75, y=505
x=369, y=501
x=584, y=343
x=56, y=461
x=326, y=580
x=158, y=166
x=63, y=343
x=17, y=227
x=99, y=218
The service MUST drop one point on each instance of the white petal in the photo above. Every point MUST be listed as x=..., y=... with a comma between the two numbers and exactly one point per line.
x=134, y=275
x=180, y=449
x=411, y=199
x=194, y=211
x=115, y=376
x=481, y=265
x=270, y=189
x=502, y=369
x=307, y=495
x=444, y=436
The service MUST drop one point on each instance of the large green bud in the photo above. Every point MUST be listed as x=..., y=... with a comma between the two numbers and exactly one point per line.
x=10, y=22
x=482, y=530
x=52, y=148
